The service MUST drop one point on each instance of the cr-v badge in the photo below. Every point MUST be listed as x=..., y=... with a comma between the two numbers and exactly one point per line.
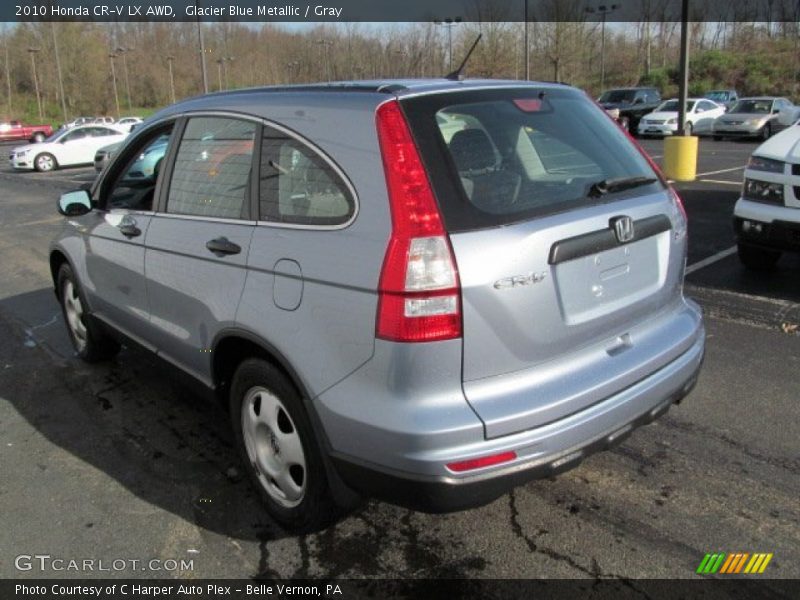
x=519, y=280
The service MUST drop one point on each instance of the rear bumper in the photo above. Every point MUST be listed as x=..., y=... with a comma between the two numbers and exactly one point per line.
x=441, y=495
x=410, y=470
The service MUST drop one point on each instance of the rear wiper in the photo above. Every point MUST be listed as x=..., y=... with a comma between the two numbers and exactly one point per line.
x=606, y=186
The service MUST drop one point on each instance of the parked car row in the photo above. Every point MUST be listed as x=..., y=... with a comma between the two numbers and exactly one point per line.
x=757, y=117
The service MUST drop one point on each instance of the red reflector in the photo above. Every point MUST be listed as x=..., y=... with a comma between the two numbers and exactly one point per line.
x=528, y=104
x=483, y=461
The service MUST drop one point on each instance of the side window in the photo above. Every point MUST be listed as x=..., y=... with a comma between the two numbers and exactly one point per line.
x=103, y=132
x=134, y=185
x=212, y=168
x=75, y=135
x=298, y=186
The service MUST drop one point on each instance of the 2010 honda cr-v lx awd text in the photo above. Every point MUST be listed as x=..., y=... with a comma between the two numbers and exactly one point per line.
x=427, y=291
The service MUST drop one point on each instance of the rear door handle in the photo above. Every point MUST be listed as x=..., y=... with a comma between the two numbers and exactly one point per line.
x=222, y=246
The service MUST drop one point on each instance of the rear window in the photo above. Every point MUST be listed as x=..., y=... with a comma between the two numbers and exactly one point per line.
x=496, y=157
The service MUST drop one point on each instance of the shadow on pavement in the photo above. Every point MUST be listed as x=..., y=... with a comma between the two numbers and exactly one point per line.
x=130, y=418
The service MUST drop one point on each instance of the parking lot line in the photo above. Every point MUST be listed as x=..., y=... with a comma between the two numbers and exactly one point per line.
x=721, y=171
x=710, y=260
x=736, y=183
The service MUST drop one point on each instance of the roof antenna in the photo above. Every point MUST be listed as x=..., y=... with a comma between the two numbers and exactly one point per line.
x=457, y=75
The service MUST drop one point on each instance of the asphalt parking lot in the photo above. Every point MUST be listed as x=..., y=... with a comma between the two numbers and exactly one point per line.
x=121, y=461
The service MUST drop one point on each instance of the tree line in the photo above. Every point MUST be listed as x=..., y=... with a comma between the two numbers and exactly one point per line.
x=139, y=67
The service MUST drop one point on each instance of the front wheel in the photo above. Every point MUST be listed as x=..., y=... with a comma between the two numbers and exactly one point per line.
x=766, y=131
x=688, y=129
x=757, y=259
x=38, y=137
x=278, y=447
x=45, y=162
x=90, y=342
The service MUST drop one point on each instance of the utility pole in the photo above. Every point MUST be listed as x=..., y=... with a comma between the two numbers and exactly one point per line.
x=112, y=56
x=123, y=52
x=60, y=77
x=603, y=10
x=33, y=52
x=323, y=55
x=170, y=60
x=8, y=74
x=219, y=72
x=202, y=44
x=527, y=50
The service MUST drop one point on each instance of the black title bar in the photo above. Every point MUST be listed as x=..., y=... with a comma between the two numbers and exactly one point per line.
x=396, y=11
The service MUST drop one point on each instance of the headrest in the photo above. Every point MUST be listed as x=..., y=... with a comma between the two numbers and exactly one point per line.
x=472, y=150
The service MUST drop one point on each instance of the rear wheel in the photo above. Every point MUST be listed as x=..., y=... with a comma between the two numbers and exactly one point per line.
x=90, y=342
x=38, y=137
x=688, y=129
x=45, y=162
x=625, y=123
x=757, y=259
x=717, y=138
x=278, y=447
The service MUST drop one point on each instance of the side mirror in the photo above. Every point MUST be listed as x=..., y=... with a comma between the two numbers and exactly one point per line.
x=75, y=204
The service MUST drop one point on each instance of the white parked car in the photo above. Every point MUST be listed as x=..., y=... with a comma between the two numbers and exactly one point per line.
x=700, y=116
x=66, y=147
x=767, y=216
x=127, y=123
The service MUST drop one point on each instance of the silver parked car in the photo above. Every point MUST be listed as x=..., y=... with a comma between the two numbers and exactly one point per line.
x=751, y=117
x=480, y=284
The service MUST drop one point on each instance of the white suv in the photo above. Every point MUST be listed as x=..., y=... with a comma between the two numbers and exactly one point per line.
x=767, y=216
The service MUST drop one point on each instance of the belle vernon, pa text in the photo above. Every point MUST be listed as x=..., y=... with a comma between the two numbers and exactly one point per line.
x=139, y=10
x=136, y=589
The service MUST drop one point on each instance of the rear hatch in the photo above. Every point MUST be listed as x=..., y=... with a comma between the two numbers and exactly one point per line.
x=569, y=247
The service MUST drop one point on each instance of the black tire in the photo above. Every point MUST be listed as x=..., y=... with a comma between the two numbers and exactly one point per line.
x=94, y=344
x=625, y=123
x=688, y=129
x=315, y=508
x=766, y=131
x=757, y=259
x=38, y=137
x=45, y=162
x=716, y=137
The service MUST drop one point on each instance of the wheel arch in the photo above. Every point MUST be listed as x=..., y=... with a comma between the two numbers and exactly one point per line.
x=230, y=347
x=57, y=259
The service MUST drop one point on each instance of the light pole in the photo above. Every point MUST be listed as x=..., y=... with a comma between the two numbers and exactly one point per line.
x=603, y=10
x=449, y=22
x=112, y=56
x=123, y=52
x=225, y=61
x=33, y=52
x=170, y=60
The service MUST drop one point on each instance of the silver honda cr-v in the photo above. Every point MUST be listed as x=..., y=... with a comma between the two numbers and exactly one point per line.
x=426, y=291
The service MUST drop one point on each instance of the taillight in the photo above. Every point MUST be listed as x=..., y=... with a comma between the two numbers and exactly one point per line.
x=419, y=294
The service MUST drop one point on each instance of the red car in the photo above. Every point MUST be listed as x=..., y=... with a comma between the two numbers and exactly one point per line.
x=14, y=130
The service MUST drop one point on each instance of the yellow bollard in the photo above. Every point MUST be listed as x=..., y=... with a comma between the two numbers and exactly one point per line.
x=680, y=157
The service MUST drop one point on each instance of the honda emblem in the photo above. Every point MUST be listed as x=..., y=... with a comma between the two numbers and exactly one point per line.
x=623, y=228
